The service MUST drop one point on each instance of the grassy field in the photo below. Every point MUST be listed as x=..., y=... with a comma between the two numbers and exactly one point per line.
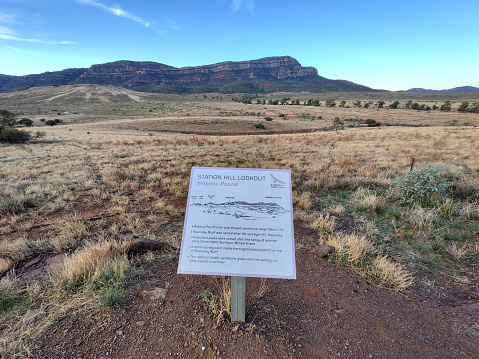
x=120, y=165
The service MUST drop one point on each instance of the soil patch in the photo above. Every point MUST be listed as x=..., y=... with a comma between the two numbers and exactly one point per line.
x=326, y=312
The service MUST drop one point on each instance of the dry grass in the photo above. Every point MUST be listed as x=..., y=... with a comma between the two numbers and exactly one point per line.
x=352, y=249
x=324, y=225
x=391, y=274
x=75, y=189
x=84, y=265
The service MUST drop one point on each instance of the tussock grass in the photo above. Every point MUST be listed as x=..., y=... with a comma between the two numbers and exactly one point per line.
x=352, y=249
x=87, y=265
x=391, y=274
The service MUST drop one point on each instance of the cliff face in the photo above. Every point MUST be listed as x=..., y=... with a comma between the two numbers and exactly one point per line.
x=130, y=73
x=144, y=74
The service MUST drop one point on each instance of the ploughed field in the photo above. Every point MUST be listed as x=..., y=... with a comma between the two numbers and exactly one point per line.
x=402, y=282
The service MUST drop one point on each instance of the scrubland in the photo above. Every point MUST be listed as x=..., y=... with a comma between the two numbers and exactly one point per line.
x=83, y=184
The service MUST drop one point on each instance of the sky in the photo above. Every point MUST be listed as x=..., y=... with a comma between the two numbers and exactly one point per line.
x=392, y=45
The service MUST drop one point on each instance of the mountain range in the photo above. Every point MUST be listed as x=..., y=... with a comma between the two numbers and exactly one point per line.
x=453, y=90
x=270, y=74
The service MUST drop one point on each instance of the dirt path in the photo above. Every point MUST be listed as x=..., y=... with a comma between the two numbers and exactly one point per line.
x=327, y=312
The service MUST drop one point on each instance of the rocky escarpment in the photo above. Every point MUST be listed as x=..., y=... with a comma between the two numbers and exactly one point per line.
x=261, y=75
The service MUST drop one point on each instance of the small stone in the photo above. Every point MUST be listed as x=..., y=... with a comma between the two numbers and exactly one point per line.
x=140, y=323
x=300, y=345
x=32, y=262
x=323, y=250
x=33, y=312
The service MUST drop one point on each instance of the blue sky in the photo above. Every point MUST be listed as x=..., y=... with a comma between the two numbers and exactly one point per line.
x=393, y=45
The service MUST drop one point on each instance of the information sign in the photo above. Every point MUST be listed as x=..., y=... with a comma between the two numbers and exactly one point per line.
x=239, y=222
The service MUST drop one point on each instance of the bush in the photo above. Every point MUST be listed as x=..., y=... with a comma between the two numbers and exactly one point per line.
x=50, y=122
x=268, y=119
x=372, y=123
x=424, y=185
x=13, y=135
x=26, y=122
x=259, y=125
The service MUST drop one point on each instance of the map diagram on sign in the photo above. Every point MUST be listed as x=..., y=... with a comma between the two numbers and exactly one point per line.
x=244, y=210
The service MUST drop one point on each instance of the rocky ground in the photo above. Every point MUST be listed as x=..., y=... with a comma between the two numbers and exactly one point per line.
x=326, y=312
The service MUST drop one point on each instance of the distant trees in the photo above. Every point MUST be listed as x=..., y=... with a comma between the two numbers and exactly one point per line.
x=464, y=107
x=342, y=104
x=380, y=104
x=357, y=103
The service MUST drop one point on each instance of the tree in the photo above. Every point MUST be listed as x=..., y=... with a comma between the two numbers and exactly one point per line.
x=330, y=102
x=395, y=104
x=357, y=103
x=342, y=104
x=408, y=104
x=284, y=100
x=463, y=107
x=380, y=104
x=446, y=106
x=338, y=124
x=415, y=106
x=474, y=107
x=7, y=119
x=9, y=134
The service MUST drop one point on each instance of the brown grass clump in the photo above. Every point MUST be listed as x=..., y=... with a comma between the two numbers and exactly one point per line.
x=391, y=274
x=5, y=265
x=324, y=225
x=85, y=264
x=71, y=231
x=352, y=249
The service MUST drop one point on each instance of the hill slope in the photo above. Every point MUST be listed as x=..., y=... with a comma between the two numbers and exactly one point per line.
x=453, y=90
x=269, y=74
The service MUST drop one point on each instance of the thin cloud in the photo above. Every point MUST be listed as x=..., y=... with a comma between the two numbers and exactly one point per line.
x=7, y=34
x=117, y=11
x=7, y=18
x=237, y=4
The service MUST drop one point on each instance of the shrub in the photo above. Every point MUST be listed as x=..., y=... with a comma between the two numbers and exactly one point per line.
x=268, y=119
x=13, y=135
x=330, y=102
x=259, y=125
x=26, y=122
x=50, y=122
x=372, y=123
x=423, y=185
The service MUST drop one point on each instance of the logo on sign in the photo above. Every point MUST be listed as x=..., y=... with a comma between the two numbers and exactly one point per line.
x=277, y=183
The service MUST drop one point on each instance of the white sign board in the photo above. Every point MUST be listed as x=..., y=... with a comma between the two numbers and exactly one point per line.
x=239, y=222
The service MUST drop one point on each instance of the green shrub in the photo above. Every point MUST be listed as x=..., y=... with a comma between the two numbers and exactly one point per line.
x=26, y=122
x=259, y=125
x=372, y=123
x=424, y=185
x=13, y=135
x=51, y=122
x=268, y=119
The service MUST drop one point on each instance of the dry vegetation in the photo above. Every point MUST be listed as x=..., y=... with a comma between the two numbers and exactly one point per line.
x=82, y=185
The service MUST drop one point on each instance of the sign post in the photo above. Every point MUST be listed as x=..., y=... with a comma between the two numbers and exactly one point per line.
x=239, y=223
